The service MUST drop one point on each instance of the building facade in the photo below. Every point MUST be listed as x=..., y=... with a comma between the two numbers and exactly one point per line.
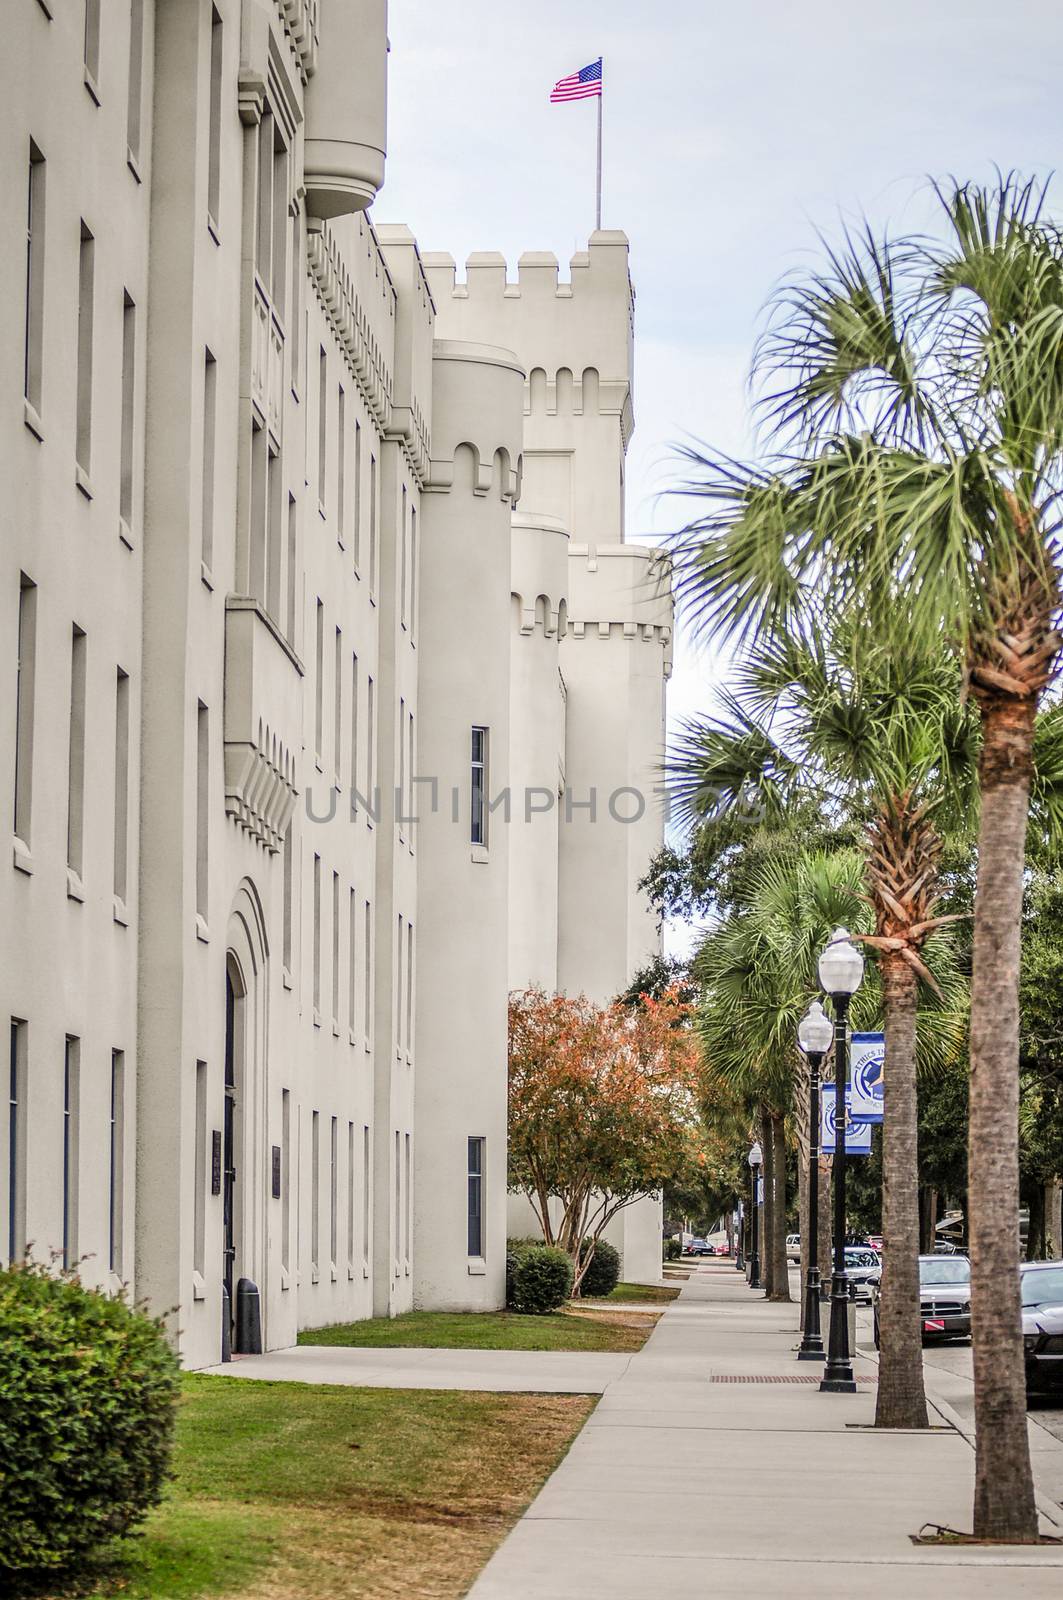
x=311, y=558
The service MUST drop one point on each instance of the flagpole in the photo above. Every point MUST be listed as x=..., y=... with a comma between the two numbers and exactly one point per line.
x=598, y=188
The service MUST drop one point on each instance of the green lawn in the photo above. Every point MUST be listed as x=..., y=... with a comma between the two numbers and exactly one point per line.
x=486, y=1330
x=636, y=1293
x=290, y=1491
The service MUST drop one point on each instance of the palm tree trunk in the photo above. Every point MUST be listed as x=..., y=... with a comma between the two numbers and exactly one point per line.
x=767, y=1209
x=1004, y=1506
x=823, y=1252
x=901, y=1397
x=780, y=1275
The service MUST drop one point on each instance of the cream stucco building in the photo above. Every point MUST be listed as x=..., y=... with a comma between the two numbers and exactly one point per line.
x=332, y=697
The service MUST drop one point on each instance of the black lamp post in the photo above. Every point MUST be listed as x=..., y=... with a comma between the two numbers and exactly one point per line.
x=756, y=1156
x=814, y=1035
x=841, y=968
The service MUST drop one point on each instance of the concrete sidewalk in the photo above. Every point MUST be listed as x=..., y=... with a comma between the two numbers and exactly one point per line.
x=507, y=1371
x=700, y=1474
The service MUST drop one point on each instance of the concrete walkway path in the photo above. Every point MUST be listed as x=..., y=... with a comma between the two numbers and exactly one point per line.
x=510, y=1371
x=700, y=1474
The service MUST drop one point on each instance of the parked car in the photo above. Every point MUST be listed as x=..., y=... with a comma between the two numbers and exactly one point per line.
x=874, y=1241
x=863, y=1269
x=944, y=1247
x=695, y=1247
x=793, y=1247
x=1042, y=1324
x=944, y=1298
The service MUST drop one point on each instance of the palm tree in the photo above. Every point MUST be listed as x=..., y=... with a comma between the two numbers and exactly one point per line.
x=913, y=404
x=757, y=969
x=875, y=734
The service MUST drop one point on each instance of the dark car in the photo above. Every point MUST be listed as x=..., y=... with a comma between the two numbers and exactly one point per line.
x=944, y=1298
x=1042, y=1324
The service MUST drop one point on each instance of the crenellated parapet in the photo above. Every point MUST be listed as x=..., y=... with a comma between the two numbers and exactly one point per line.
x=299, y=21
x=573, y=327
x=477, y=416
x=623, y=592
x=539, y=574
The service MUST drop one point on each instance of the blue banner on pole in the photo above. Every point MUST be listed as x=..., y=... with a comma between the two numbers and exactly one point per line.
x=857, y=1134
x=867, y=1059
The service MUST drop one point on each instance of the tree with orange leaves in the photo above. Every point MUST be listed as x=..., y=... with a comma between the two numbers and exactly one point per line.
x=602, y=1109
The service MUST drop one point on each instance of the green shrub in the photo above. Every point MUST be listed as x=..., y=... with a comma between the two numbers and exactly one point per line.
x=542, y=1279
x=603, y=1274
x=672, y=1250
x=514, y=1250
x=88, y=1394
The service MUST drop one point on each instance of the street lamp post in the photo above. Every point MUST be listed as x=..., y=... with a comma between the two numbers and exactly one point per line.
x=756, y=1156
x=814, y=1035
x=841, y=968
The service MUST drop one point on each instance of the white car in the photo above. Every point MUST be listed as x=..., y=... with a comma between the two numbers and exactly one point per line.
x=793, y=1247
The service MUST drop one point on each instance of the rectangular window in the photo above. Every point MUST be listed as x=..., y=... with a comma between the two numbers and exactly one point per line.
x=409, y=987
x=274, y=551
x=478, y=775
x=357, y=493
x=319, y=663
x=372, y=525
x=322, y=425
x=278, y=288
x=92, y=48
x=366, y=1198
x=286, y=1190
x=24, y=705
x=293, y=570
x=354, y=728
x=135, y=82
x=210, y=424
x=334, y=1193
x=214, y=135
x=397, y=1225
x=402, y=558
x=86, y=308
x=399, y=1010
x=341, y=451
x=408, y=1211
x=34, y=312
x=413, y=571
x=264, y=236
x=128, y=440
x=352, y=965
x=337, y=705
x=409, y=775
x=116, y=1166
x=15, y=1188
x=315, y=1190
x=199, y=1213
x=317, y=938
x=75, y=798
x=294, y=319
x=202, y=806
x=258, y=535
x=476, y=1197
x=121, y=784
x=350, y=1199
x=336, y=950
x=286, y=936
x=367, y=973
x=401, y=791
x=370, y=744
x=71, y=1098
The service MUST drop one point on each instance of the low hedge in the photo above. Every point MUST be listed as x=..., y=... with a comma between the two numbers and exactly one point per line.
x=603, y=1273
x=673, y=1250
x=538, y=1277
x=88, y=1396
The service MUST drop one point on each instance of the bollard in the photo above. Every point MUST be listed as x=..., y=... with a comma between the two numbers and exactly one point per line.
x=248, y=1319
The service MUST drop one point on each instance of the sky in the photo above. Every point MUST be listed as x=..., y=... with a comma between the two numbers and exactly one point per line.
x=732, y=133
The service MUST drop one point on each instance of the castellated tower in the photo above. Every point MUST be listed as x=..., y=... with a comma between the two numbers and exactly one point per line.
x=590, y=638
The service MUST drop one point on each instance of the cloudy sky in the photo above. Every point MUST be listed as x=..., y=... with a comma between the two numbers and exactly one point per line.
x=732, y=132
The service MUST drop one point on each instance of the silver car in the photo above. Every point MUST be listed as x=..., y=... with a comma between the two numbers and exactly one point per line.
x=944, y=1298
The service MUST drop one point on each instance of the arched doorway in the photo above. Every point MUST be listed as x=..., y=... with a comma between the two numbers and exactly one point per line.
x=244, y=1168
x=232, y=1143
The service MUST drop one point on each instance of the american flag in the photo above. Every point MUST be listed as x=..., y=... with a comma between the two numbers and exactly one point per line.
x=579, y=85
